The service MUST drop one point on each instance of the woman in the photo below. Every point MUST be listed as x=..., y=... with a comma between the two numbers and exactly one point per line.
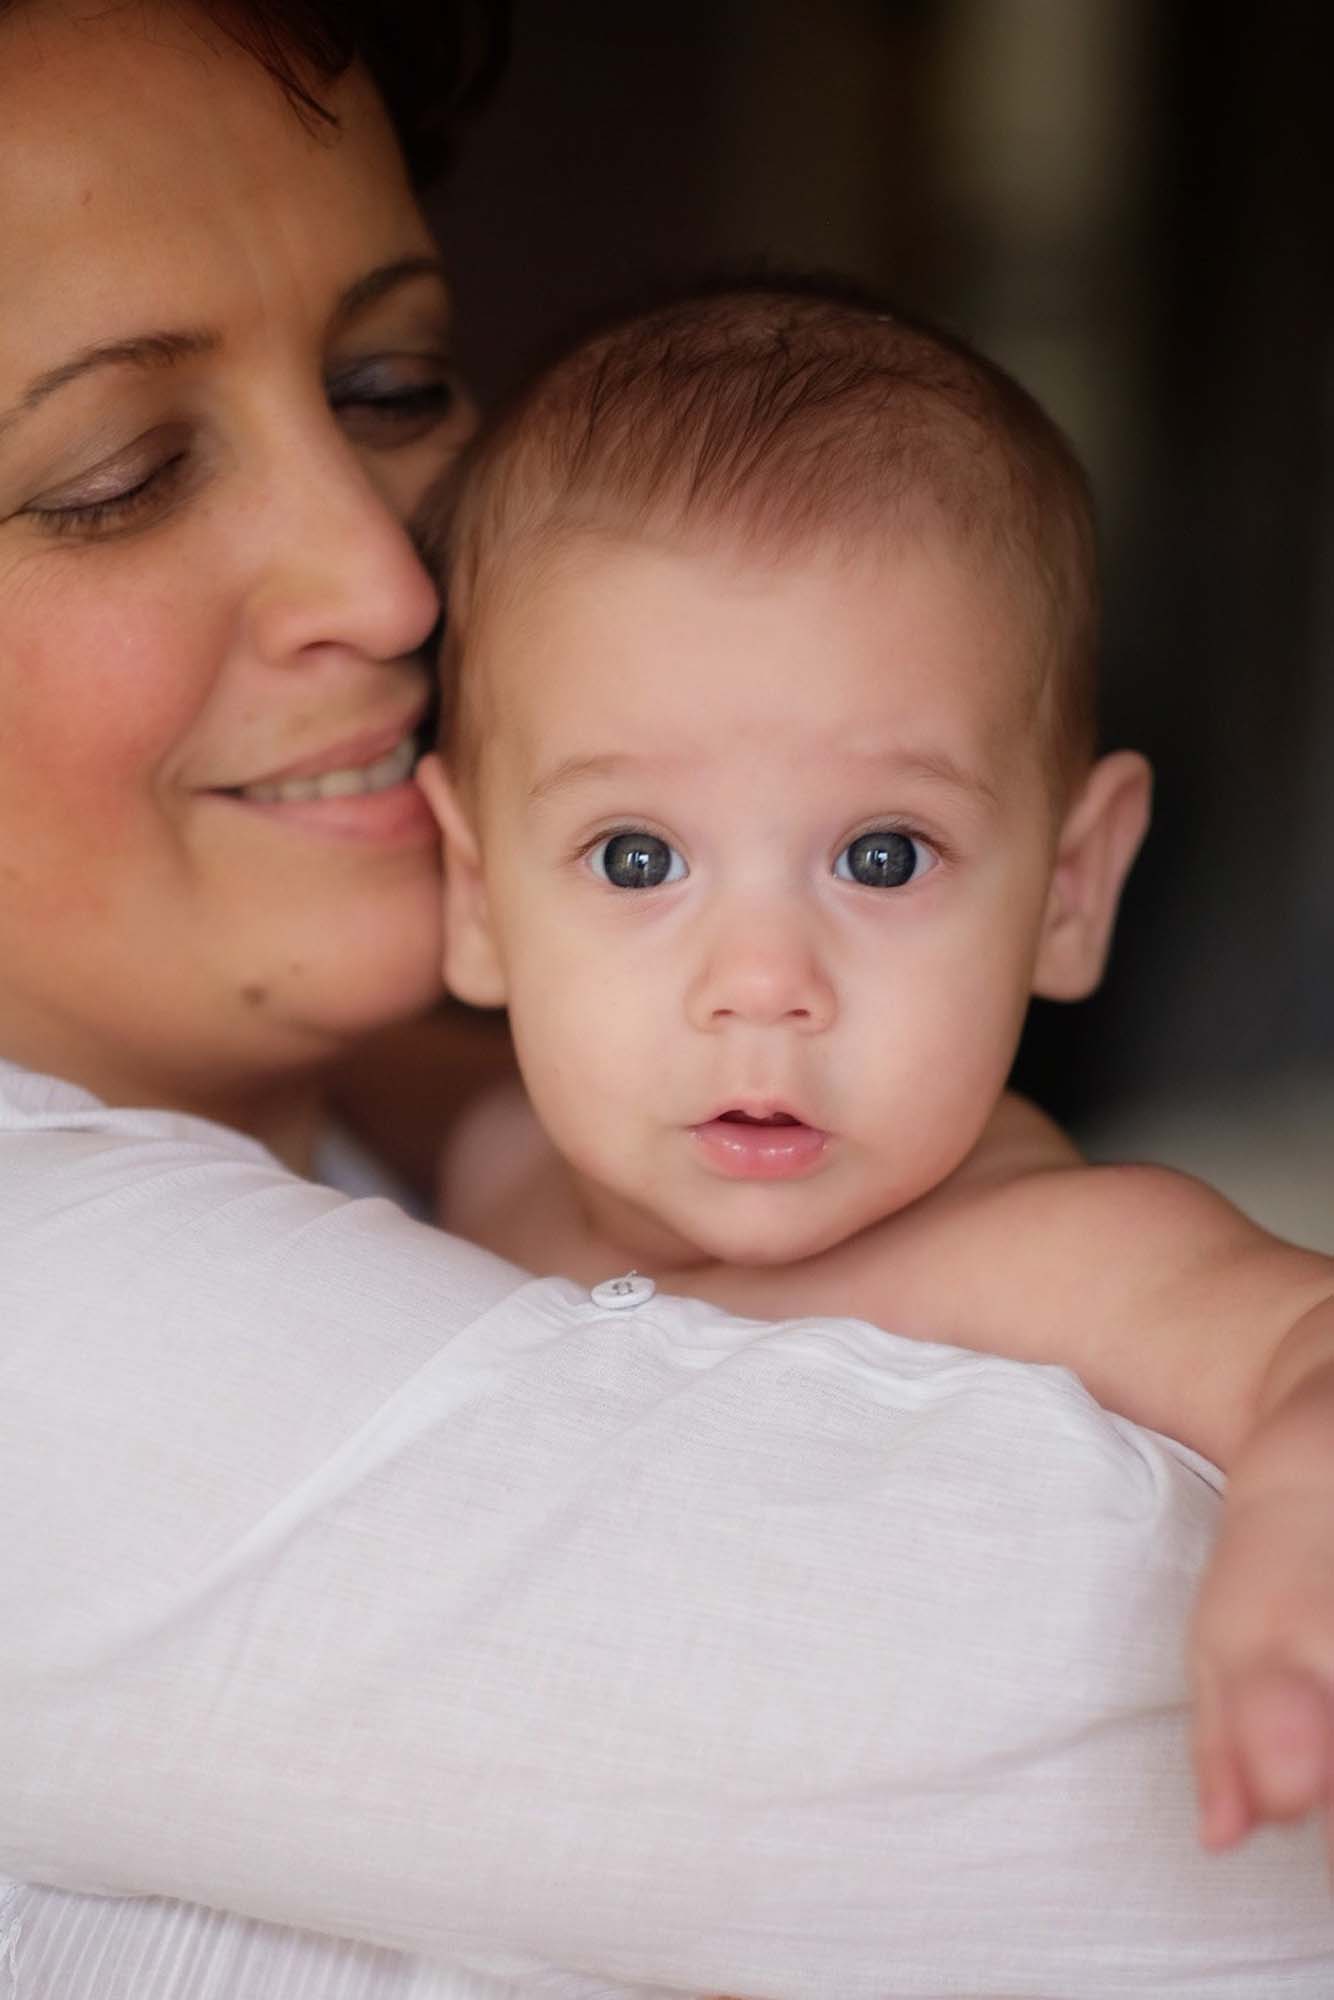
x=488, y=1632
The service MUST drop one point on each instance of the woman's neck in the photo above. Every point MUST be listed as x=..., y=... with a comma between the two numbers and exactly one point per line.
x=283, y=1112
x=288, y=1120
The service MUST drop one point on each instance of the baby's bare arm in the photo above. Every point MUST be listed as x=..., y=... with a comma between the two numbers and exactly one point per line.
x=1262, y=1651
x=1169, y=1304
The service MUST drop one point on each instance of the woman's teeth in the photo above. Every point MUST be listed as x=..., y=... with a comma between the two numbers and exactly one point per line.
x=377, y=777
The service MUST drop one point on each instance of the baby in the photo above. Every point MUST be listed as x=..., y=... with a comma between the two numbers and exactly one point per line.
x=769, y=798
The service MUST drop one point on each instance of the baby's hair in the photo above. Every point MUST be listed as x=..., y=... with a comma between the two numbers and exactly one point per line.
x=768, y=418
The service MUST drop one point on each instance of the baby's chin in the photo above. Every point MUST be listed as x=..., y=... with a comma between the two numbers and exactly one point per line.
x=757, y=1225
x=768, y=1236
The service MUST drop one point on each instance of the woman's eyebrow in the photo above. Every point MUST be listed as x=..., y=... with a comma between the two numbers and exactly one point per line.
x=163, y=349
x=363, y=293
x=144, y=350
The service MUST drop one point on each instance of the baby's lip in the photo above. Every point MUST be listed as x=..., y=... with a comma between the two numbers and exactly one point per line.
x=750, y=1111
x=760, y=1142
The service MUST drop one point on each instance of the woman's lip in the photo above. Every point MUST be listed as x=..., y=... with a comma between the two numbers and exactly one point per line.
x=756, y=1149
x=396, y=817
x=350, y=754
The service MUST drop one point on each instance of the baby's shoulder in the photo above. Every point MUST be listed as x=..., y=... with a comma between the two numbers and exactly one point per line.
x=1030, y=1231
x=1140, y=1208
x=493, y=1149
x=1028, y=1193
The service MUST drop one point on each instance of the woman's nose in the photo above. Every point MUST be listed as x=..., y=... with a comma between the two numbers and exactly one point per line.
x=765, y=973
x=336, y=567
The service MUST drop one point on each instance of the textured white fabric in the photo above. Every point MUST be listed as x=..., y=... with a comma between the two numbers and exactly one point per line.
x=350, y=1584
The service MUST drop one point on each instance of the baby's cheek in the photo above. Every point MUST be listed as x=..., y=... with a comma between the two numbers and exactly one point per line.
x=958, y=1082
x=581, y=1043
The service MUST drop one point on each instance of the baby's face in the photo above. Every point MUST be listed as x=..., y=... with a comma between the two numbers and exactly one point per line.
x=765, y=853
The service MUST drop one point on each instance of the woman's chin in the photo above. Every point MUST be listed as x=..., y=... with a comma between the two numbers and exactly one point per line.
x=364, y=1008
x=347, y=972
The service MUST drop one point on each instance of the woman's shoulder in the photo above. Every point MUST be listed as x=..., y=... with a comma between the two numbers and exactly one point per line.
x=33, y=1102
x=29, y=1098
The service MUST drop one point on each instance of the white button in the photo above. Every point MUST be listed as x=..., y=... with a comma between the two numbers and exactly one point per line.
x=617, y=1293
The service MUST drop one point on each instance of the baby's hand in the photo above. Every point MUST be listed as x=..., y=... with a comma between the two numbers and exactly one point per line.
x=1262, y=1650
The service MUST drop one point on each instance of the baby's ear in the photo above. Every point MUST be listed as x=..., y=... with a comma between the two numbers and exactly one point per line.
x=472, y=967
x=1100, y=837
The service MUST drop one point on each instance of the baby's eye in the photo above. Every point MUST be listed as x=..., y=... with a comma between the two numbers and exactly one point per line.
x=883, y=859
x=637, y=861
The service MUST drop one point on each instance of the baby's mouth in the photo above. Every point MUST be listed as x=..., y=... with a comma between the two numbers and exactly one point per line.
x=758, y=1118
x=761, y=1144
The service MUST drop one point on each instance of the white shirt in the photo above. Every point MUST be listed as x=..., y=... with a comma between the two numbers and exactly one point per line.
x=351, y=1583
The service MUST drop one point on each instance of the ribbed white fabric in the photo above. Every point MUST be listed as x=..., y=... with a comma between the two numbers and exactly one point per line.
x=72, y=1947
x=350, y=1585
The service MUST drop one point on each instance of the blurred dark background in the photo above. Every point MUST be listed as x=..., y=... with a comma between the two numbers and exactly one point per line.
x=1128, y=202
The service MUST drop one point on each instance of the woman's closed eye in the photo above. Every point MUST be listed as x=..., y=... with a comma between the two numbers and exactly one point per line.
x=384, y=403
x=884, y=858
x=634, y=859
x=122, y=491
x=393, y=400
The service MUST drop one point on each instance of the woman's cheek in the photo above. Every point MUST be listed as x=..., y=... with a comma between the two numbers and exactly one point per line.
x=101, y=692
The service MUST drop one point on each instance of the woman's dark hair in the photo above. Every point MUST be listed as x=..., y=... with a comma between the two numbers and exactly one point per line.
x=432, y=60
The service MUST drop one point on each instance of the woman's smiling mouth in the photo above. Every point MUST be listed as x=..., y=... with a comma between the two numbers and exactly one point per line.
x=348, y=782
x=360, y=792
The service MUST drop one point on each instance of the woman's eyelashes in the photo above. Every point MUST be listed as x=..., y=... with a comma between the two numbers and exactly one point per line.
x=393, y=400
x=118, y=494
x=382, y=404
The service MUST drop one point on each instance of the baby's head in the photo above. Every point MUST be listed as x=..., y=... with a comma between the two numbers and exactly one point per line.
x=770, y=793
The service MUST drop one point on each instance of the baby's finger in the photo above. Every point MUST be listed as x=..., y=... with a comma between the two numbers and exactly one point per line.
x=1281, y=1723
x=1225, y=1815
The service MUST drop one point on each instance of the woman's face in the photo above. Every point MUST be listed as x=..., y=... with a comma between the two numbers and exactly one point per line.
x=224, y=384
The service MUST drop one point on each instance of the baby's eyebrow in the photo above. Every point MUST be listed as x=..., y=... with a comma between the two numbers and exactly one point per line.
x=574, y=770
x=935, y=767
x=891, y=761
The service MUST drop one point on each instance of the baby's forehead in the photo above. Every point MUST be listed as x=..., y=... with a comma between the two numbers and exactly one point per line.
x=769, y=419
x=729, y=650
x=583, y=570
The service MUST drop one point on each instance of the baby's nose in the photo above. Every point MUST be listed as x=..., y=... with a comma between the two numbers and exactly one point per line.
x=763, y=977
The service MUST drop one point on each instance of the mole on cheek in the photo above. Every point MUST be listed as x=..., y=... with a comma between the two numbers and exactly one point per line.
x=255, y=996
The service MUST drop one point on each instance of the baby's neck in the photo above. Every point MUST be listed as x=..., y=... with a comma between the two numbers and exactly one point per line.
x=580, y=1231
x=615, y=1232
